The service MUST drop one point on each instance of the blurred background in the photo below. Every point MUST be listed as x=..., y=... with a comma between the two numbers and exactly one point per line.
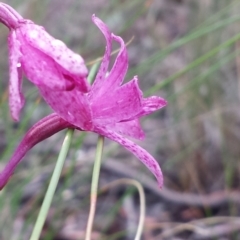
x=186, y=51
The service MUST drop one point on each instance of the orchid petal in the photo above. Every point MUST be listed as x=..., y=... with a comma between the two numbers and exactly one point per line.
x=72, y=106
x=151, y=104
x=37, y=133
x=42, y=70
x=43, y=48
x=135, y=149
x=130, y=128
x=119, y=69
x=16, y=99
x=118, y=104
x=38, y=38
x=99, y=81
x=116, y=75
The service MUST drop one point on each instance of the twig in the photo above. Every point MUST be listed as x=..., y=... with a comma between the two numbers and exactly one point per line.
x=200, y=227
x=209, y=200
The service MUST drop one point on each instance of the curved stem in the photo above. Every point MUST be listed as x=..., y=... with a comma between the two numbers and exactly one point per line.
x=140, y=189
x=94, y=187
x=52, y=186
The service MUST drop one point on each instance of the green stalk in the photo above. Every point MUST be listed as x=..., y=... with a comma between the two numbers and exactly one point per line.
x=94, y=186
x=52, y=186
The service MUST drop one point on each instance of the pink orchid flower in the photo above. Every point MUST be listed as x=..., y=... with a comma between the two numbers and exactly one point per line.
x=109, y=108
x=46, y=61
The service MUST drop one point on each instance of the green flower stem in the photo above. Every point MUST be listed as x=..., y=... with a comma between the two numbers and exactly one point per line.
x=94, y=187
x=52, y=186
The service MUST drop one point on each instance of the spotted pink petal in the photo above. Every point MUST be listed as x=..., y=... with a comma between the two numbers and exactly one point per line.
x=101, y=75
x=118, y=104
x=38, y=38
x=16, y=99
x=72, y=106
x=42, y=70
x=103, y=83
x=40, y=131
x=150, y=105
x=138, y=151
x=119, y=69
x=45, y=55
x=130, y=128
